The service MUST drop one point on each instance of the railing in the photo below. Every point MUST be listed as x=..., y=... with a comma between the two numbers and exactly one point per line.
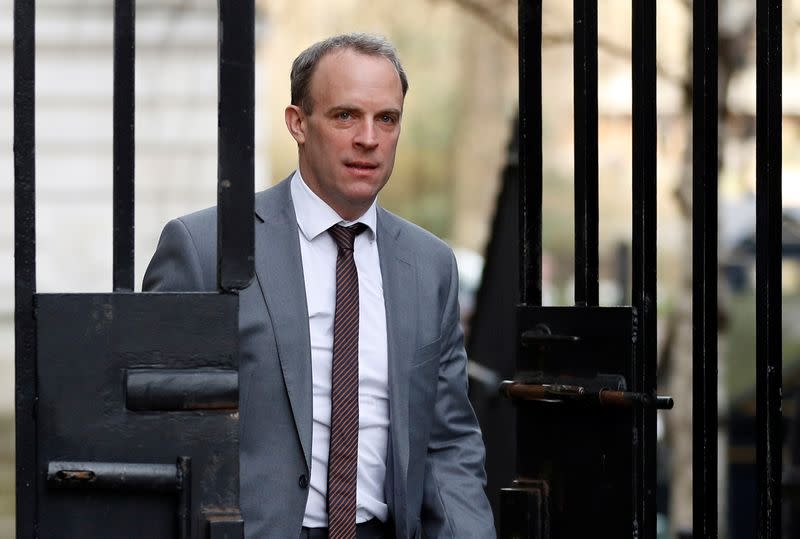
x=705, y=239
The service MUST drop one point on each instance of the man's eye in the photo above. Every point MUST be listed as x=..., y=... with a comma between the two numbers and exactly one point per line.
x=387, y=118
x=343, y=115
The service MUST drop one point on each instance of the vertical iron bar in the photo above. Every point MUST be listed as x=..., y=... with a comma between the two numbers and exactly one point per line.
x=235, y=144
x=586, y=184
x=644, y=256
x=768, y=267
x=704, y=268
x=124, y=92
x=184, y=471
x=530, y=151
x=25, y=265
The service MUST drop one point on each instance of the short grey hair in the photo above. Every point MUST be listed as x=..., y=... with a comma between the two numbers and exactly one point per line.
x=306, y=62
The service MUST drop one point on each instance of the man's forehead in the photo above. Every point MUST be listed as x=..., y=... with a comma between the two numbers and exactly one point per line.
x=340, y=64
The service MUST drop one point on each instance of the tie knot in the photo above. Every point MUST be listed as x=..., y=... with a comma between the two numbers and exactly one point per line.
x=345, y=236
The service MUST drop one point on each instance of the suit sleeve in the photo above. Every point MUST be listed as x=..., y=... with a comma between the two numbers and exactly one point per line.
x=454, y=501
x=175, y=266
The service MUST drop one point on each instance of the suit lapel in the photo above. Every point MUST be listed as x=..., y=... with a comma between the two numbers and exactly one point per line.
x=279, y=271
x=400, y=298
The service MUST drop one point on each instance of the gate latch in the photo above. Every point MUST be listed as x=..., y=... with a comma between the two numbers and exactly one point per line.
x=562, y=393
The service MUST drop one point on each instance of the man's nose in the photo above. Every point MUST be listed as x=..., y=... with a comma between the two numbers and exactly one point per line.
x=367, y=135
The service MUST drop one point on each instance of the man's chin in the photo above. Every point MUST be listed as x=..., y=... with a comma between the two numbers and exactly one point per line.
x=365, y=187
x=356, y=202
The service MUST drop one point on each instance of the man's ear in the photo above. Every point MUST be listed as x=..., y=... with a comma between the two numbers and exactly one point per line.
x=296, y=123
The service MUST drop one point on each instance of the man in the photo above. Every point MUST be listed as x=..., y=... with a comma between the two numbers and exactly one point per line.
x=355, y=420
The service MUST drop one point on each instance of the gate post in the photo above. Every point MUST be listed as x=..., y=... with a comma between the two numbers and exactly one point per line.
x=25, y=264
x=769, y=356
x=82, y=423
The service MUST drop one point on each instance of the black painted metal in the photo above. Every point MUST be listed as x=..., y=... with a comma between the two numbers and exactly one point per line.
x=235, y=224
x=524, y=509
x=224, y=526
x=83, y=419
x=113, y=476
x=538, y=387
x=580, y=448
x=530, y=151
x=584, y=388
x=768, y=267
x=171, y=389
x=644, y=255
x=107, y=383
x=704, y=268
x=25, y=264
x=131, y=477
x=184, y=468
x=586, y=173
x=124, y=88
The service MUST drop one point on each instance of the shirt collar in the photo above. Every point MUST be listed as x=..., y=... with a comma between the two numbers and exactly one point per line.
x=314, y=216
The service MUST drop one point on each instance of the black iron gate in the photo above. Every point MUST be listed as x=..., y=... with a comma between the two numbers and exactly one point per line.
x=127, y=404
x=585, y=379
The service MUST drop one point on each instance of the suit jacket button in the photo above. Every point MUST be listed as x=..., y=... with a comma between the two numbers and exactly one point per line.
x=303, y=481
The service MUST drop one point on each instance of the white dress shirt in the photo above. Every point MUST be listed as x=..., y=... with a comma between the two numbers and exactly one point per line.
x=318, y=252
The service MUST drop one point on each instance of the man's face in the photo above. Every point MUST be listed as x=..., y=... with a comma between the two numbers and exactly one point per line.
x=348, y=141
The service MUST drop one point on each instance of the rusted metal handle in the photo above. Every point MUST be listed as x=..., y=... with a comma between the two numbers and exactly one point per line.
x=541, y=392
x=575, y=393
x=626, y=399
x=113, y=476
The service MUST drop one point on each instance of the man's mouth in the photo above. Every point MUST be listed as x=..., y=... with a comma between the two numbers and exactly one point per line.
x=361, y=165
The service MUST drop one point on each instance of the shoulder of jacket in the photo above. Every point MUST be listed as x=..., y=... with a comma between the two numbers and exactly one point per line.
x=202, y=217
x=208, y=216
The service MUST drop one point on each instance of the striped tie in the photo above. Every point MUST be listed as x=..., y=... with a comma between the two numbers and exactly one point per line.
x=343, y=451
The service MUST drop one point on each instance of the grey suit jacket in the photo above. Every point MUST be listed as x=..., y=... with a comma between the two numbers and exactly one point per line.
x=435, y=475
